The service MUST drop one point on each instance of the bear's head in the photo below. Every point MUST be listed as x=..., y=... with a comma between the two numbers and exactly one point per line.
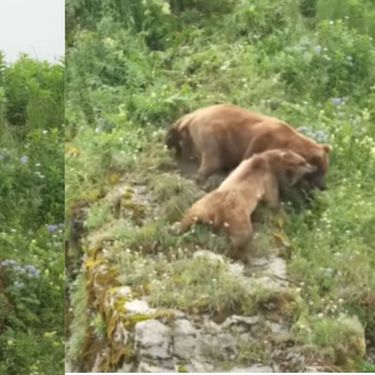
x=173, y=139
x=288, y=166
x=179, y=139
x=319, y=158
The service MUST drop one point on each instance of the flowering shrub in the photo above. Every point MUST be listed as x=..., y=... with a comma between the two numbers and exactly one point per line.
x=31, y=243
x=336, y=61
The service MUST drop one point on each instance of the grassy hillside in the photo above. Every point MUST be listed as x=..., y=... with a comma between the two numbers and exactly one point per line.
x=31, y=217
x=132, y=69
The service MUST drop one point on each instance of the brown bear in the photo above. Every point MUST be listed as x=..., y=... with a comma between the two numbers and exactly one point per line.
x=221, y=136
x=229, y=207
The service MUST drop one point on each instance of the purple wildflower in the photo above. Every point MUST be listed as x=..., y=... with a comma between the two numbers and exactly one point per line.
x=28, y=270
x=19, y=284
x=318, y=49
x=321, y=136
x=52, y=228
x=338, y=101
x=24, y=159
x=19, y=269
x=8, y=262
x=303, y=130
x=32, y=271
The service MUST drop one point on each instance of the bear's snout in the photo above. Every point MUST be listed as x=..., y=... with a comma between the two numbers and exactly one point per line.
x=316, y=180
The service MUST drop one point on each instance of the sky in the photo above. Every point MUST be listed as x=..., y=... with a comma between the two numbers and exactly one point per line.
x=35, y=27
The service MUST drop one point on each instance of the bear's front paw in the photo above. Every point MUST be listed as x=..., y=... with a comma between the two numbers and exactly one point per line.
x=175, y=229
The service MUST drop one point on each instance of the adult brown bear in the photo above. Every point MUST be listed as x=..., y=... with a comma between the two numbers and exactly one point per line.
x=230, y=206
x=221, y=136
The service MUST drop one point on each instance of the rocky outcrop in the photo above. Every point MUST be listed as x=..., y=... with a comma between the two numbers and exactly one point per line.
x=129, y=331
x=141, y=338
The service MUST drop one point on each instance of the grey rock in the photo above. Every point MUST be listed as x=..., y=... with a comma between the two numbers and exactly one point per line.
x=199, y=365
x=184, y=346
x=259, y=262
x=152, y=339
x=278, y=329
x=243, y=321
x=268, y=282
x=268, y=271
x=184, y=327
x=209, y=326
x=221, y=345
x=277, y=267
x=238, y=329
x=184, y=339
x=138, y=306
x=236, y=269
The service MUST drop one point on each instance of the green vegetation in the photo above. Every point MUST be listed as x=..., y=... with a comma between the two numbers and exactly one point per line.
x=193, y=285
x=31, y=217
x=338, y=337
x=134, y=67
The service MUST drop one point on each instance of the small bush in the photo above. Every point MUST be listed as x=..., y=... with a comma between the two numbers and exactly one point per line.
x=339, y=60
x=342, y=338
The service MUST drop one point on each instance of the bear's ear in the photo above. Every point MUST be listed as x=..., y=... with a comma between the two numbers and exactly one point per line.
x=287, y=155
x=284, y=154
x=259, y=162
x=327, y=148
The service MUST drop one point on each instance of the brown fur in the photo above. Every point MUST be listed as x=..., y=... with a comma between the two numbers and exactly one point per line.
x=257, y=179
x=221, y=136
